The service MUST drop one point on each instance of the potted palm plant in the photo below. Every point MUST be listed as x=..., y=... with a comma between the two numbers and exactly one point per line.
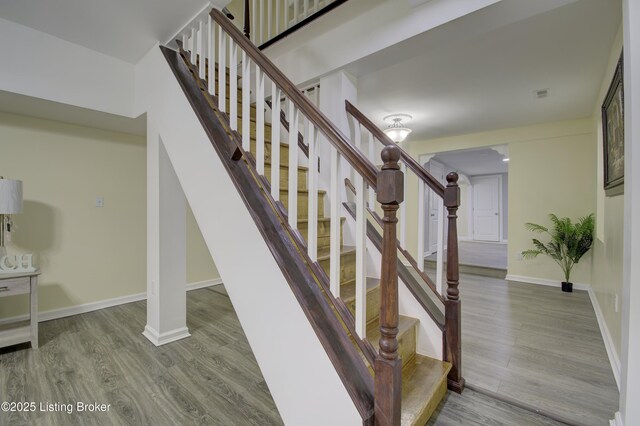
x=569, y=242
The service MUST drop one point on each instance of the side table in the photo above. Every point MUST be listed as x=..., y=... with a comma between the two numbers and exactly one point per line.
x=12, y=285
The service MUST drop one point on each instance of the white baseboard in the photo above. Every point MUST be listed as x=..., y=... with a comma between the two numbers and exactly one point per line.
x=102, y=304
x=543, y=281
x=614, y=359
x=160, y=339
x=204, y=284
x=617, y=420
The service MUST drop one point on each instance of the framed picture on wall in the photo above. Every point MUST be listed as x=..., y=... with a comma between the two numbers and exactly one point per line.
x=613, y=134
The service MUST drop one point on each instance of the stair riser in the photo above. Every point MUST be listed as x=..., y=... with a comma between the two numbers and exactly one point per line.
x=267, y=131
x=324, y=233
x=284, y=177
x=438, y=396
x=407, y=345
x=373, y=305
x=284, y=152
x=347, y=266
x=303, y=204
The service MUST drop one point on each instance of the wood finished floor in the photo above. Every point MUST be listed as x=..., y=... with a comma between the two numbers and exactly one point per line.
x=211, y=378
x=478, y=253
x=539, y=346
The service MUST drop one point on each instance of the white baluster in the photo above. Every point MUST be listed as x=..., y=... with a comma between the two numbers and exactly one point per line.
x=277, y=28
x=316, y=5
x=440, y=255
x=222, y=70
x=269, y=18
x=336, y=208
x=201, y=61
x=246, y=102
x=286, y=14
x=233, y=84
x=295, y=11
x=361, y=251
x=259, y=121
x=421, y=224
x=312, y=230
x=292, y=204
x=371, y=145
x=254, y=20
x=261, y=20
x=211, y=39
x=305, y=8
x=192, y=45
x=403, y=210
x=275, y=142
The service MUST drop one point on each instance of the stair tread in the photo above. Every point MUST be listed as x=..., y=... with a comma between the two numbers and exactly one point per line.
x=305, y=191
x=323, y=254
x=320, y=219
x=421, y=386
x=404, y=324
x=348, y=289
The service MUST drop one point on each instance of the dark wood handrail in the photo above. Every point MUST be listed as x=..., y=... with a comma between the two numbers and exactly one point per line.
x=358, y=161
x=415, y=167
x=347, y=361
x=285, y=124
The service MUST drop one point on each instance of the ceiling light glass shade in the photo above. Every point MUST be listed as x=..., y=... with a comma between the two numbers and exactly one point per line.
x=397, y=134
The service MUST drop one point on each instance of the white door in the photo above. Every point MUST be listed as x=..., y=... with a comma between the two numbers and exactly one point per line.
x=486, y=208
x=433, y=204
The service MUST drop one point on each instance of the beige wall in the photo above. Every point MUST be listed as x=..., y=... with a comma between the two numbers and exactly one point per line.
x=608, y=254
x=559, y=156
x=86, y=254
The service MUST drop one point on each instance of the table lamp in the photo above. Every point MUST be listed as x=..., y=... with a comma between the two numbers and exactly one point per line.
x=10, y=203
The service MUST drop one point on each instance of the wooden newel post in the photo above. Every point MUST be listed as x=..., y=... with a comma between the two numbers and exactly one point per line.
x=247, y=19
x=453, y=350
x=388, y=366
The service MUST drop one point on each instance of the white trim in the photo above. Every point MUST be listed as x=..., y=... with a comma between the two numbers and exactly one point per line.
x=617, y=420
x=160, y=339
x=204, y=284
x=102, y=304
x=543, y=281
x=614, y=359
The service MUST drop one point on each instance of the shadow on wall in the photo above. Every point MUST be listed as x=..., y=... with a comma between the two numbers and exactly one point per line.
x=35, y=231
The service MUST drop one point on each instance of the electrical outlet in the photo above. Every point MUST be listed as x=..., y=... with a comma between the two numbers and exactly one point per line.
x=616, y=303
x=99, y=201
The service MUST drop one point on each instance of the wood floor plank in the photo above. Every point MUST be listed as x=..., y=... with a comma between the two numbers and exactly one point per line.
x=211, y=378
x=537, y=345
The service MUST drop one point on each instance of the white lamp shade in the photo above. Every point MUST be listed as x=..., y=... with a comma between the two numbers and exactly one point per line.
x=397, y=134
x=10, y=196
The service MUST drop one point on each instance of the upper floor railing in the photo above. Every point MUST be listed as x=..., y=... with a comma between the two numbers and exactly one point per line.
x=267, y=21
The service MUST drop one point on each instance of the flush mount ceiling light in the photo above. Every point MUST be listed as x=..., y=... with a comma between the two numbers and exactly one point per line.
x=397, y=131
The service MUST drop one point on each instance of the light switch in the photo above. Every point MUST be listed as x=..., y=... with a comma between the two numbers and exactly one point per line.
x=99, y=201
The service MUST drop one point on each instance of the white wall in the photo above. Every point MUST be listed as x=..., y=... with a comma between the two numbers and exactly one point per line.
x=630, y=389
x=260, y=294
x=566, y=147
x=42, y=66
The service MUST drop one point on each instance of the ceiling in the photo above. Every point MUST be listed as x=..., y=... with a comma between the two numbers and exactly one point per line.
x=124, y=29
x=474, y=74
x=26, y=105
x=474, y=162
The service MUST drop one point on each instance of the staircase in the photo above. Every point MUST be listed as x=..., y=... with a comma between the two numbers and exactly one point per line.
x=408, y=386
